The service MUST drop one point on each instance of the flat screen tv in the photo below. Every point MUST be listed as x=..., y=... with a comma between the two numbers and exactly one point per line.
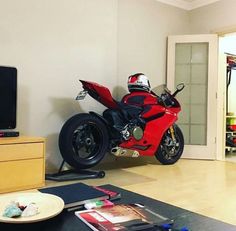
x=8, y=97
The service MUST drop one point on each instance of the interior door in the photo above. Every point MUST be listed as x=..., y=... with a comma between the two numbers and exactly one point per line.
x=193, y=60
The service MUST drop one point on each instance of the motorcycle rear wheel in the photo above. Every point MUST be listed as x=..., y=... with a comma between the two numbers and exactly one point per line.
x=83, y=141
x=168, y=151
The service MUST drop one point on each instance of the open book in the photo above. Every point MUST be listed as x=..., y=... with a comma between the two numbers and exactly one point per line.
x=122, y=217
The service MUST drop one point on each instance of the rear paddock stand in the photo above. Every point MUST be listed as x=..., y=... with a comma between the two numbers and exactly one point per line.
x=74, y=174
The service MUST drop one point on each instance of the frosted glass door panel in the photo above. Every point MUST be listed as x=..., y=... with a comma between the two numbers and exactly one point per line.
x=191, y=68
x=192, y=60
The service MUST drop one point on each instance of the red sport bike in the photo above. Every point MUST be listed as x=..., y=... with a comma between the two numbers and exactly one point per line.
x=142, y=124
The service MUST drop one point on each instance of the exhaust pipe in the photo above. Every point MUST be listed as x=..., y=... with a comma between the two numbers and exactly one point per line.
x=118, y=151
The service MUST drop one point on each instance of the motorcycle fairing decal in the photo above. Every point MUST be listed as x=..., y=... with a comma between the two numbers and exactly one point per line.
x=139, y=99
x=146, y=108
x=149, y=99
x=130, y=110
x=158, y=115
x=154, y=110
x=141, y=147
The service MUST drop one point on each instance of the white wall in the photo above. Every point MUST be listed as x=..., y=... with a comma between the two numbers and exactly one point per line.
x=54, y=43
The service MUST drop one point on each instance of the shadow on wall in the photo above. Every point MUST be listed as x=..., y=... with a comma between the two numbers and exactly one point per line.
x=119, y=92
x=64, y=108
x=53, y=155
x=23, y=110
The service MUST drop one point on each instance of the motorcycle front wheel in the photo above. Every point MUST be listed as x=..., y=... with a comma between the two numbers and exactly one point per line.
x=83, y=141
x=170, y=151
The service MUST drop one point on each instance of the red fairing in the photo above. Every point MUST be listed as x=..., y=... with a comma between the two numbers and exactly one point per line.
x=152, y=135
x=155, y=128
x=100, y=93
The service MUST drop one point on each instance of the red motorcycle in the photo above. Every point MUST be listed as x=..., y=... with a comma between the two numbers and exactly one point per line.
x=142, y=124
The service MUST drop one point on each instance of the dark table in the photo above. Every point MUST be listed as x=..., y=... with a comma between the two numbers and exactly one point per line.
x=67, y=221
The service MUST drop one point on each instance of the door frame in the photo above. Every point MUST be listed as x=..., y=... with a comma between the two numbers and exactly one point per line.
x=221, y=110
x=221, y=106
x=221, y=93
x=212, y=62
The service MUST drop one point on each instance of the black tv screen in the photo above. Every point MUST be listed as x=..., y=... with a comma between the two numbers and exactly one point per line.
x=8, y=97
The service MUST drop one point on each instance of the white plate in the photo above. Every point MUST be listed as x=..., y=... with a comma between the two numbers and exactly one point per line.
x=48, y=205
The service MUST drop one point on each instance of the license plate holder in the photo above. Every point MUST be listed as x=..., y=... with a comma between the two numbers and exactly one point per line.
x=81, y=95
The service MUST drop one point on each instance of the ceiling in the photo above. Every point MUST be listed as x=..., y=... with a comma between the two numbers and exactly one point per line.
x=188, y=4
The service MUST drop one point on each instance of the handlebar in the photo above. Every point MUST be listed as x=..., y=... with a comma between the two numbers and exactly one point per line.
x=168, y=99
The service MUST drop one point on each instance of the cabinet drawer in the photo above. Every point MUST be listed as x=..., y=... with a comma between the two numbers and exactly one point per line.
x=22, y=151
x=21, y=175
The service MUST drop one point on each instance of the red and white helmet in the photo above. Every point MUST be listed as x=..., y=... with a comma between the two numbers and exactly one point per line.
x=138, y=82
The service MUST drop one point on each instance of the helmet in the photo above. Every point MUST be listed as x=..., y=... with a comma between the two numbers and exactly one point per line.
x=138, y=82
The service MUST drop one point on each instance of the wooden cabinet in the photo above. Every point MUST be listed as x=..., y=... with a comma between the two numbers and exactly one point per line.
x=22, y=163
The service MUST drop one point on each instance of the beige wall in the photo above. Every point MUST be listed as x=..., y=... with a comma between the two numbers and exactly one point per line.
x=143, y=27
x=218, y=16
x=54, y=43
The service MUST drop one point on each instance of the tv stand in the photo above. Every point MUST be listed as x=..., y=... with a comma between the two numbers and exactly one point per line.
x=22, y=163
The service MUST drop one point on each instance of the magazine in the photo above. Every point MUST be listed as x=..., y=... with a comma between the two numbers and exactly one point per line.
x=122, y=217
x=77, y=194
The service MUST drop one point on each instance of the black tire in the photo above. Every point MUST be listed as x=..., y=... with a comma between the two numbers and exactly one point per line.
x=83, y=141
x=169, y=152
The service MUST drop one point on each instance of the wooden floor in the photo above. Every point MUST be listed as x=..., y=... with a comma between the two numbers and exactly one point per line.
x=205, y=187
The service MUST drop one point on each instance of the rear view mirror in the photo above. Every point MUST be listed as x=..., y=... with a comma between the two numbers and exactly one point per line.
x=180, y=87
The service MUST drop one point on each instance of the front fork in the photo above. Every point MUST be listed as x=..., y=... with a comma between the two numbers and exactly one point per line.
x=172, y=133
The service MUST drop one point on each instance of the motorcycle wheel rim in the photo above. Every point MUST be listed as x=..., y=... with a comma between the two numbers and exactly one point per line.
x=169, y=148
x=86, y=141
